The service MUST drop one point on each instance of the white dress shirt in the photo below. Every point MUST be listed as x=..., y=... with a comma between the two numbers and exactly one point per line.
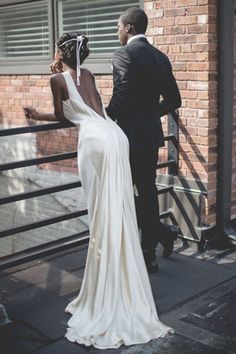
x=136, y=36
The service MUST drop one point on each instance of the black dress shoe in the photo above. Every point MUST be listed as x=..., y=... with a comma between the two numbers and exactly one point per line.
x=151, y=263
x=152, y=267
x=170, y=235
x=168, y=247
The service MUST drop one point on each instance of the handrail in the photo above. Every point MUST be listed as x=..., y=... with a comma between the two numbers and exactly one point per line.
x=41, y=223
x=38, y=161
x=35, y=128
x=45, y=249
x=39, y=192
x=165, y=163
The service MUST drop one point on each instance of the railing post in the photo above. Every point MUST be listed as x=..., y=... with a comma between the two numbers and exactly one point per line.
x=173, y=150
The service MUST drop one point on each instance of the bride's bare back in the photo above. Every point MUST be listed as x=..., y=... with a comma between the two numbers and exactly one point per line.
x=89, y=93
x=87, y=90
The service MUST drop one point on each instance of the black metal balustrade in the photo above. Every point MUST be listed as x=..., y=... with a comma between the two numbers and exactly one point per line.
x=172, y=163
x=79, y=238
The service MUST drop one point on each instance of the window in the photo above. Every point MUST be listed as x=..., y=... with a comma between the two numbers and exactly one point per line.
x=24, y=31
x=28, y=30
x=97, y=19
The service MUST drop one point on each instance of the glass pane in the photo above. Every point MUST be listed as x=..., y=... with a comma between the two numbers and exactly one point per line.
x=97, y=19
x=24, y=30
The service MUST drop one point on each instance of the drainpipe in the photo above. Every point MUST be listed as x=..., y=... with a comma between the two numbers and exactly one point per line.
x=225, y=230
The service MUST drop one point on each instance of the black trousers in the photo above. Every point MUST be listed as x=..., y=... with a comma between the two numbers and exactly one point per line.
x=143, y=169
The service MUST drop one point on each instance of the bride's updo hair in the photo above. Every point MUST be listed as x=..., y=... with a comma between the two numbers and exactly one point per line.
x=68, y=50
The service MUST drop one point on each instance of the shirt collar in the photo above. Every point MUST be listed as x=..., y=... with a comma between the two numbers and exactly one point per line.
x=136, y=36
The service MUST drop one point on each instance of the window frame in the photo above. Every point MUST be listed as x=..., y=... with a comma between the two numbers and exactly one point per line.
x=29, y=65
x=20, y=66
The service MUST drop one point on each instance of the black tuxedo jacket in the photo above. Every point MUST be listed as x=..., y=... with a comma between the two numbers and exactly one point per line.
x=141, y=74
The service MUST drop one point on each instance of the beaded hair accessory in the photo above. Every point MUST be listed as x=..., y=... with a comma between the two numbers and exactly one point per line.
x=79, y=42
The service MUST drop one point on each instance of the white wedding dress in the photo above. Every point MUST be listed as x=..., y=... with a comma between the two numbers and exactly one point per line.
x=115, y=305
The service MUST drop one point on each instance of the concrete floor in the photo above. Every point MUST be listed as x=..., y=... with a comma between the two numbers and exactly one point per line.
x=194, y=294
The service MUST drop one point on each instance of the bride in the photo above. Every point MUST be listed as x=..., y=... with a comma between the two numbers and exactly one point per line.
x=115, y=305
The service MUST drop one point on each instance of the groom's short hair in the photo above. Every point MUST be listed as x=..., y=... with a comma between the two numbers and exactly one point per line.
x=135, y=17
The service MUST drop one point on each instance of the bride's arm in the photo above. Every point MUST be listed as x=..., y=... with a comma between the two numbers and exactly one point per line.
x=31, y=113
x=58, y=115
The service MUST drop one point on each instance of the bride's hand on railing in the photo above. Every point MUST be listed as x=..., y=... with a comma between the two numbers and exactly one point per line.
x=31, y=113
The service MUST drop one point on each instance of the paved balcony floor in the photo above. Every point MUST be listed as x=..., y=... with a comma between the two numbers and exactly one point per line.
x=194, y=293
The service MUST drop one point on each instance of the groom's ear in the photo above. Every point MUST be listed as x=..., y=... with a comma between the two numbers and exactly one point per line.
x=128, y=28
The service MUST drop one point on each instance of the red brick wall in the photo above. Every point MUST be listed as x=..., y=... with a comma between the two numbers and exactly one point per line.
x=187, y=31
x=19, y=91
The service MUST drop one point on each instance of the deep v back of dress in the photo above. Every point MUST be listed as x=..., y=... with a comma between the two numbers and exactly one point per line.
x=115, y=305
x=74, y=97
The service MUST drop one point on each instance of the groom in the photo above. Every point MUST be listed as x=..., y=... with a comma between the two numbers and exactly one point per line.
x=142, y=74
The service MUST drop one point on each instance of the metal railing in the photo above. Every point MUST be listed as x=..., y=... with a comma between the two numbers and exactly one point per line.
x=79, y=238
x=52, y=246
x=172, y=162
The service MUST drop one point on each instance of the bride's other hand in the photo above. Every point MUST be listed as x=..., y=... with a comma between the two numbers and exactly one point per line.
x=56, y=66
x=31, y=113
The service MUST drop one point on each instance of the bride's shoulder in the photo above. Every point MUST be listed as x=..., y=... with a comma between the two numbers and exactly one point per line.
x=57, y=81
x=87, y=73
x=57, y=77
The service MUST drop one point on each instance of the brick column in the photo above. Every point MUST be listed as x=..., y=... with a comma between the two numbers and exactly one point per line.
x=186, y=30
